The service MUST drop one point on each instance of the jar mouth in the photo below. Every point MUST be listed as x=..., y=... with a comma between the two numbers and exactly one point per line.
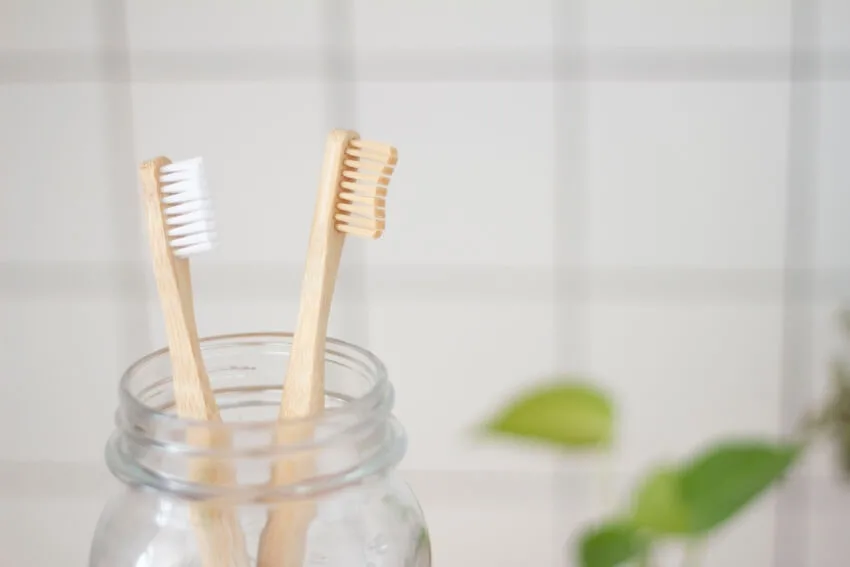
x=369, y=400
x=355, y=436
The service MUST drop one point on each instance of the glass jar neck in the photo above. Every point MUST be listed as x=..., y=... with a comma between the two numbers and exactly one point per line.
x=356, y=437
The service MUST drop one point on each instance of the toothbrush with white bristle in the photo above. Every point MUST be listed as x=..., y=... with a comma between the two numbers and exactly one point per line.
x=190, y=210
x=181, y=225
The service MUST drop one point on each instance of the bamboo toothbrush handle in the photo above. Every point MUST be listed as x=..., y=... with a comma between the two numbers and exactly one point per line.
x=283, y=541
x=304, y=391
x=219, y=535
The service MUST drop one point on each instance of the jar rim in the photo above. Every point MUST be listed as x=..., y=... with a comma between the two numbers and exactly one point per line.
x=154, y=446
x=373, y=398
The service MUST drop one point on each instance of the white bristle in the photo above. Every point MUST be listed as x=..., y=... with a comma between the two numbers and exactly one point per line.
x=189, y=214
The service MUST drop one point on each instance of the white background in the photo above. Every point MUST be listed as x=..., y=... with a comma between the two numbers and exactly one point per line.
x=655, y=194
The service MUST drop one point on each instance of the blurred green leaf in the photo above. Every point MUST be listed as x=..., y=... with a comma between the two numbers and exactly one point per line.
x=612, y=545
x=566, y=415
x=711, y=489
x=658, y=505
x=726, y=478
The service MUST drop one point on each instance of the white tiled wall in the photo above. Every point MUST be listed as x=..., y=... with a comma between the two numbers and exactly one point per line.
x=832, y=190
x=666, y=24
x=668, y=162
x=204, y=26
x=445, y=25
x=686, y=175
x=479, y=173
x=263, y=166
x=54, y=144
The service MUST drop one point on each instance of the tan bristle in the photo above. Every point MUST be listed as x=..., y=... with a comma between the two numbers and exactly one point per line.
x=357, y=231
x=363, y=189
x=388, y=157
x=384, y=152
x=355, y=198
x=369, y=211
x=367, y=171
x=360, y=222
x=366, y=177
x=374, y=167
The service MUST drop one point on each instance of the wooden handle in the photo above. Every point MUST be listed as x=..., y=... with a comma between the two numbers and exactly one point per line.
x=219, y=535
x=283, y=540
x=304, y=389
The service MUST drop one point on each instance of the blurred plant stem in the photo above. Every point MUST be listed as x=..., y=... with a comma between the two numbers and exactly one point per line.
x=831, y=421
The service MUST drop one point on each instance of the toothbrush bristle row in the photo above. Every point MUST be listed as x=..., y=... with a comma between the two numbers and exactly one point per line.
x=362, y=197
x=188, y=209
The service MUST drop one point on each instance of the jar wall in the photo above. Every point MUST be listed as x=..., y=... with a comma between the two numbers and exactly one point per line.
x=374, y=524
x=364, y=515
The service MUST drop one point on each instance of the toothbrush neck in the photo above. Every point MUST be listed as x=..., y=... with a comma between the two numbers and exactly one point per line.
x=320, y=274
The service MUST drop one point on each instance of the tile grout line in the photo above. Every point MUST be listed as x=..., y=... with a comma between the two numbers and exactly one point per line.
x=182, y=67
x=341, y=86
x=266, y=281
x=120, y=139
x=569, y=226
x=570, y=198
x=793, y=510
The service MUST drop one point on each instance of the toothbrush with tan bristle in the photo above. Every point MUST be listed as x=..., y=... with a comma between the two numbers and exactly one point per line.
x=180, y=225
x=350, y=201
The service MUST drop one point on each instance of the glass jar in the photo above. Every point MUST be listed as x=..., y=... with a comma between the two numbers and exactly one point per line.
x=360, y=513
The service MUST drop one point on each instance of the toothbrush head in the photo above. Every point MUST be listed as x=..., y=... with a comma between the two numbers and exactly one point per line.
x=367, y=167
x=187, y=209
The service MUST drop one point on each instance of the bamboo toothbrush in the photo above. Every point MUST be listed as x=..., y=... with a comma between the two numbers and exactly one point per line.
x=350, y=201
x=180, y=225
